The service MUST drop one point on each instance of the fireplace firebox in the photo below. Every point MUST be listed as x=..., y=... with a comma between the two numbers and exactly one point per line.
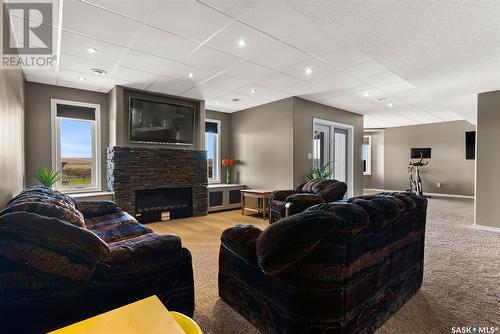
x=153, y=205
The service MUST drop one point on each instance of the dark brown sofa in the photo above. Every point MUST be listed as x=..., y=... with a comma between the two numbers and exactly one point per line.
x=342, y=267
x=62, y=261
x=284, y=203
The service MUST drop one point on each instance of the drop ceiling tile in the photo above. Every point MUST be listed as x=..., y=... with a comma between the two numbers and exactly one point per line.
x=398, y=87
x=344, y=57
x=246, y=100
x=224, y=83
x=187, y=18
x=233, y=8
x=366, y=69
x=163, y=44
x=103, y=25
x=70, y=79
x=339, y=80
x=168, y=85
x=262, y=92
x=211, y=59
x=315, y=39
x=318, y=69
x=81, y=65
x=182, y=71
x=203, y=93
x=139, y=78
x=256, y=42
x=146, y=62
x=109, y=83
x=78, y=85
x=77, y=45
x=279, y=56
x=384, y=79
x=41, y=79
x=275, y=18
x=278, y=81
x=248, y=71
x=138, y=10
x=302, y=88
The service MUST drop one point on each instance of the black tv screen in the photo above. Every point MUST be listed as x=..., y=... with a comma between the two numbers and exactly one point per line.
x=160, y=122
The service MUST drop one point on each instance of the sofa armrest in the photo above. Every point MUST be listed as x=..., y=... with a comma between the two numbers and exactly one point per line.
x=91, y=209
x=289, y=240
x=242, y=240
x=52, y=248
x=297, y=203
x=334, y=192
x=147, y=253
x=280, y=195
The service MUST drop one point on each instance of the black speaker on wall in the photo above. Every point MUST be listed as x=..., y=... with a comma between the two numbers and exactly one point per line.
x=417, y=153
x=470, y=145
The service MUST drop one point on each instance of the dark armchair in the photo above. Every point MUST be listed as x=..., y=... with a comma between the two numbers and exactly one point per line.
x=284, y=203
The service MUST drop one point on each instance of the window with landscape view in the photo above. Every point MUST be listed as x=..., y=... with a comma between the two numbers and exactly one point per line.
x=75, y=145
x=212, y=145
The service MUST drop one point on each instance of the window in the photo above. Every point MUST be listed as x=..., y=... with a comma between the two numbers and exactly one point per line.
x=367, y=155
x=75, y=145
x=212, y=145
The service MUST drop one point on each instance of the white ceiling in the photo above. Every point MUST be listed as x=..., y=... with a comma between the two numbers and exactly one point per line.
x=397, y=62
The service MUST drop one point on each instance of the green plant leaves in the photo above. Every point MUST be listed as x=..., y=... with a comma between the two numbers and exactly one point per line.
x=47, y=177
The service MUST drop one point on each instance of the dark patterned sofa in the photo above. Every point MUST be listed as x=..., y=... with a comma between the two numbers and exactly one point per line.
x=62, y=261
x=283, y=203
x=342, y=267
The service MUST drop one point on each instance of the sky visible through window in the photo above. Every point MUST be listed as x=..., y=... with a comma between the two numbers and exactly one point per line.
x=76, y=139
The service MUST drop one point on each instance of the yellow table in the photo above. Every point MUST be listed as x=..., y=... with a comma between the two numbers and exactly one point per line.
x=146, y=316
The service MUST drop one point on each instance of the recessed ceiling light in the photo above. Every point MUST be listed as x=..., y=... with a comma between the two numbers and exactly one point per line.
x=366, y=94
x=81, y=78
x=191, y=75
x=242, y=43
x=98, y=71
x=216, y=103
x=309, y=70
x=253, y=91
x=91, y=50
x=390, y=105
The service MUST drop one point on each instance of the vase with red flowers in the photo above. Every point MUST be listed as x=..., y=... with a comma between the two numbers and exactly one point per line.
x=229, y=164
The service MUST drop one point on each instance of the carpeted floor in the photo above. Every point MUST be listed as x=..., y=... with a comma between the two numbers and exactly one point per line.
x=461, y=280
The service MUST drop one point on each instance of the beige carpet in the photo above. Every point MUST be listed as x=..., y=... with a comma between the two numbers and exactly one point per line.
x=461, y=280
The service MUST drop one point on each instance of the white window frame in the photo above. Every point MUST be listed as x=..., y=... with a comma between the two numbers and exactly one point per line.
x=218, y=169
x=96, y=145
x=368, y=156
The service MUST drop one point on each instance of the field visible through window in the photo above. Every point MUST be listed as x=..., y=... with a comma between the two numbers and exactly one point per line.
x=76, y=171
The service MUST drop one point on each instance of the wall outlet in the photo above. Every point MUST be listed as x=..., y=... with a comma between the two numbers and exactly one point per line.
x=309, y=156
x=438, y=185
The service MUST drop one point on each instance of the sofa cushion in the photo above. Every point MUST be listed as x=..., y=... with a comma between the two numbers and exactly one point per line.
x=116, y=226
x=91, y=209
x=50, y=247
x=289, y=240
x=316, y=185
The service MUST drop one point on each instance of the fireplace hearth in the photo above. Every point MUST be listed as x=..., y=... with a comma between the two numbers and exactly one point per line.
x=163, y=204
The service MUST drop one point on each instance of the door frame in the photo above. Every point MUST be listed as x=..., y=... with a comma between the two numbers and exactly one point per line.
x=350, y=148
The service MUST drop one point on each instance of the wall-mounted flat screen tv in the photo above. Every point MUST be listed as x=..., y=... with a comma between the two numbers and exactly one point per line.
x=160, y=122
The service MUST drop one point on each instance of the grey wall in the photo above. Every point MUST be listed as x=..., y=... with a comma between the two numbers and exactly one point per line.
x=488, y=159
x=376, y=179
x=262, y=141
x=38, y=124
x=447, y=165
x=304, y=112
x=12, y=160
x=225, y=123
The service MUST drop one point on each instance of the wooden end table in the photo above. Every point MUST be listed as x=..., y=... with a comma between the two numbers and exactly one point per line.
x=262, y=197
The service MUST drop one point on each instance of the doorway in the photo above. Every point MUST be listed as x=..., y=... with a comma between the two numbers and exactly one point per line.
x=333, y=150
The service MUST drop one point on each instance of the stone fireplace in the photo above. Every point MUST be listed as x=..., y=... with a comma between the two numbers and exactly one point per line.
x=151, y=173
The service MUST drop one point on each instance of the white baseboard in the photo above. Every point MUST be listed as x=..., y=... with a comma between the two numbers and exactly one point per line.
x=487, y=228
x=431, y=194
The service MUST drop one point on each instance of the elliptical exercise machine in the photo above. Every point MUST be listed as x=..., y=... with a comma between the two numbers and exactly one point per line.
x=416, y=182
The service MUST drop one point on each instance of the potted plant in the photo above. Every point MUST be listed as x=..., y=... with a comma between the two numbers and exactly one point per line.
x=48, y=177
x=229, y=164
x=324, y=172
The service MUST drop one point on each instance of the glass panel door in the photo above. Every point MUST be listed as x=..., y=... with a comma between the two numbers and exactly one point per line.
x=340, y=141
x=321, y=146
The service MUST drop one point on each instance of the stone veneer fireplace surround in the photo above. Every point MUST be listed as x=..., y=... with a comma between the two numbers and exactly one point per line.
x=145, y=168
